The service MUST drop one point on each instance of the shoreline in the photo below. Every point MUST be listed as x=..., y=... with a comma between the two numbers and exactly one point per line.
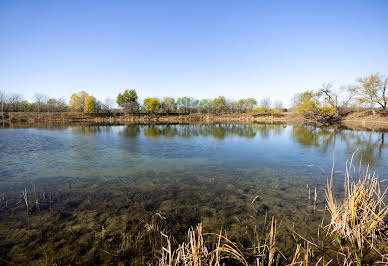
x=357, y=120
x=131, y=118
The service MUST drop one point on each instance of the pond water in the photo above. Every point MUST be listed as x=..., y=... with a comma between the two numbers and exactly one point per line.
x=100, y=193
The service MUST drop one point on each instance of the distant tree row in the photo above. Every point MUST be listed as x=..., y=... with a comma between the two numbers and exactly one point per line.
x=41, y=103
x=328, y=103
x=128, y=100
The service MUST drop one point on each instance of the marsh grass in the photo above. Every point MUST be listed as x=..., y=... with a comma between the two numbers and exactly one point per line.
x=197, y=251
x=355, y=235
x=358, y=221
x=123, y=225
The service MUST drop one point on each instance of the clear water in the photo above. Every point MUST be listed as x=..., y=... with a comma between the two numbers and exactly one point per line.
x=125, y=177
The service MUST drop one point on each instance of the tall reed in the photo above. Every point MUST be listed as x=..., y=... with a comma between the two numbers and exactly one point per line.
x=195, y=251
x=356, y=233
x=358, y=220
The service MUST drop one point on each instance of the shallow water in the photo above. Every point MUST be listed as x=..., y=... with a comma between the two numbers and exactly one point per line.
x=94, y=187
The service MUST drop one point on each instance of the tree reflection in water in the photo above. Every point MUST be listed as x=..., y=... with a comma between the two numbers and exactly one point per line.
x=367, y=145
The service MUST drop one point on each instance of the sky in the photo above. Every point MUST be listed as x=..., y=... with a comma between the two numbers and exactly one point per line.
x=201, y=49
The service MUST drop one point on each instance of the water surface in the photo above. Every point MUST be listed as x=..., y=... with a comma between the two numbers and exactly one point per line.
x=94, y=187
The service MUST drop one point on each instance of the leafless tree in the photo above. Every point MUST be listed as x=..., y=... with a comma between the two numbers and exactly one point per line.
x=108, y=104
x=14, y=101
x=62, y=105
x=339, y=99
x=40, y=101
x=278, y=105
x=266, y=103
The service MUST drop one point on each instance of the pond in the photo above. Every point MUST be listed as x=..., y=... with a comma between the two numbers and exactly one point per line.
x=86, y=194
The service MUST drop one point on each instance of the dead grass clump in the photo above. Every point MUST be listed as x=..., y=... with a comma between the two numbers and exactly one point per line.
x=358, y=221
x=356, y=234
x=265, y=250
x=196, y=251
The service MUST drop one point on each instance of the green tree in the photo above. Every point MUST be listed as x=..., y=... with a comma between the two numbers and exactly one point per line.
x=238, y=106
x=51, y=104
x=249, y=104
x=169, y=105
x=77, y=101
x=219, y=104
x=128, y=100
x=204, y=106
x=152, y=105
x=372, y=91
x=25, y=106
x=185, y=104
x=56, y=105
x=194, y=106
x=90, y=105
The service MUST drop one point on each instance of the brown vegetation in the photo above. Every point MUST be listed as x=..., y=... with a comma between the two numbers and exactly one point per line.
x=356, y=234
x=128, y=118
x=370, y=118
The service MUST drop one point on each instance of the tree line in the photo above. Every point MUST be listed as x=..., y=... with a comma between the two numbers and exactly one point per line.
x=128, y=102
x=328, y=103
x=323, y=103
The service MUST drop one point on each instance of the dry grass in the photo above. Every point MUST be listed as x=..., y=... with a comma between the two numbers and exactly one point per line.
x=358, y=221
x=356, y=234
x=194, y=251
x=266, y=251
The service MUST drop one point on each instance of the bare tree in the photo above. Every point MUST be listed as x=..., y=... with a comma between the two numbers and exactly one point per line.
x=278, y=105
x=14, y=101
x=62, y=105
x=266, y=103
x=108, y=104
x=40, y=101
x=338, y=99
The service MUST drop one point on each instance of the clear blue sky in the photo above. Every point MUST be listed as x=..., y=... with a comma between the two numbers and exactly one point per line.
x=196, y=48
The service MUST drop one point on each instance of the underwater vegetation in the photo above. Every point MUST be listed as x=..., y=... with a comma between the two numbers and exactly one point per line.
x=357, y=234
x=127, y=195
x=137, y=224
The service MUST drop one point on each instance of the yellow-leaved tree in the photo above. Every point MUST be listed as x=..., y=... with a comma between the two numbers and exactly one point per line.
x=90, y=105
x=373, y=91
x=306, y=101
x=152, y=104
x=77, y=101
